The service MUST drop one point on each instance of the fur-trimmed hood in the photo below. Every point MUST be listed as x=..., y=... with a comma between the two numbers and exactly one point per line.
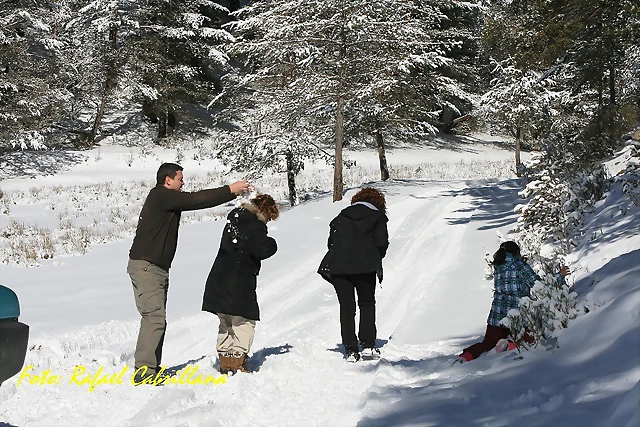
x=254, y=210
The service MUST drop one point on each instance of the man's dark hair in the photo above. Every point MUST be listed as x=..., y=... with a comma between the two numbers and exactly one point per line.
x=167, y=170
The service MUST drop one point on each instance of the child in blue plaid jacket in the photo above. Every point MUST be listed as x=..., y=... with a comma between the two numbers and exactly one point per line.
x=513, y=279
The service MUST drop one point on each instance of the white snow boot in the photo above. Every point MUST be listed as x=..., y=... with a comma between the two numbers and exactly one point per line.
x=352, y=357
x=370, y=353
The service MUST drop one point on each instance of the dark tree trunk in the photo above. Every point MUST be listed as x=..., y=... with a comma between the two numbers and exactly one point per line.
x=291, y=179
x=162, y=124
x=97, y=122
x=112, y=74
x=600, y=106
x=518, y=144
x=612, y=84
x=338, y=184
x=384, y=169
x=172, y=122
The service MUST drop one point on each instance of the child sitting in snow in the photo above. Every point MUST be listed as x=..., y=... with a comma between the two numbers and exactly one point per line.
x=513, y=279
x=230, y=291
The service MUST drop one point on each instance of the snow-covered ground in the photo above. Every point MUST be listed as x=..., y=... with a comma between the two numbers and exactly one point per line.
x=433, y=302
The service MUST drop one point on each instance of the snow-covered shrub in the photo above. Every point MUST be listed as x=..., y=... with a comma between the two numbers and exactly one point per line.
x=630, y=175
x=551, y=306
x=549, y=223
x=558, y=199
x=24, y=244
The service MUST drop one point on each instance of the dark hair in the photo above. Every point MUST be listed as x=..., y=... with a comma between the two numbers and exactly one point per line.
x=371, y=195
x=509, y=247
x=167, y=170
x=267, y=206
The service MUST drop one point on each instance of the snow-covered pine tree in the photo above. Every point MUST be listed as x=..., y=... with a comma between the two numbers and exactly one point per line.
x=453, y=86
x=411, y=73
x=33, y=81
x=343, y=68
x=582, y=45
x=260, y=138
x=557, y=202
x=603, y=31
x=630, y=175
x=99, y=31
x=549, y=222
x=177, y=59
x=519, y=102
x=262, y=142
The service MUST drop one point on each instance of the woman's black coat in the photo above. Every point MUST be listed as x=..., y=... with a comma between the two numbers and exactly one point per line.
x=358, y=240
x=231, y=285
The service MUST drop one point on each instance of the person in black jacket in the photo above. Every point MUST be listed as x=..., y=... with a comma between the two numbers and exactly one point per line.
x=230, y=291
x=358, y=241
x=152, y=252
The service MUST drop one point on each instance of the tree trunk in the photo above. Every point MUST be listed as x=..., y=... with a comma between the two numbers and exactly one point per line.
x=600, y=106
x=162, y=124
x=110, y=83
x=172, y=122
x=338, y=184
x=518, y=144
x=384, y=169
x=291, y=169
x=291, y=179
x=97, y=122
x=612, y=84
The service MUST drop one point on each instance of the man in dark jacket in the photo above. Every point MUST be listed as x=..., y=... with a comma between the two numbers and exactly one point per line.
x=152, y=252
x=358, y=241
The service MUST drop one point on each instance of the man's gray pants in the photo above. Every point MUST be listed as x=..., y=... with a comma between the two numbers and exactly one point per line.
x=150, y=286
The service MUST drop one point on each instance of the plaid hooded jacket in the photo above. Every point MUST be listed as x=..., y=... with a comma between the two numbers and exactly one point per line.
x=511, y=281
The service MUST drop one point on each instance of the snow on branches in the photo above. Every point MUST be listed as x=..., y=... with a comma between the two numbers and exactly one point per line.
x=548, y=227
x=630, y=175
x=551, y=306
x=557, y=200
x=518, y=98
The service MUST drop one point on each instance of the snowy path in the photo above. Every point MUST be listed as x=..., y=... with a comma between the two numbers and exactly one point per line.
x=431, y=304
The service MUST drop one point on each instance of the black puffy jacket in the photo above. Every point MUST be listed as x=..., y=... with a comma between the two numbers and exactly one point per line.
x=231, y=285
x=358, y=241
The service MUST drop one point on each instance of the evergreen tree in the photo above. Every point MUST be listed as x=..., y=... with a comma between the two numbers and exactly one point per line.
x=100, y=33
x=176, y=56
x=340, y=68
x=33, y=81
x=520, y=103
x=584, y=46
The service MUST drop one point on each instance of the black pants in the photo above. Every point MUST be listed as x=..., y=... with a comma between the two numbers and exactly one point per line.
x=365, y=286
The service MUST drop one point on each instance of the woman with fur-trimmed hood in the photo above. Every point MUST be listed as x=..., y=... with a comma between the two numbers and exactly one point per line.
x=230, y=291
